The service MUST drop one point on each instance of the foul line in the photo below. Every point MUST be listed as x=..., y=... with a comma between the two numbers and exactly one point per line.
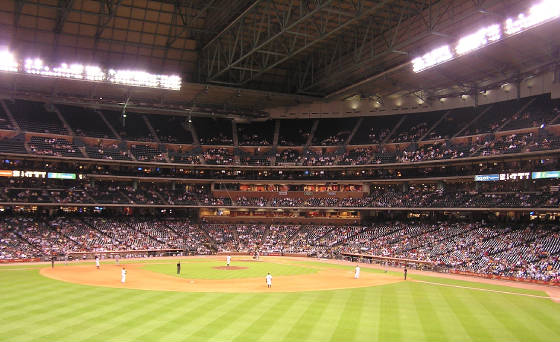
x=487, y=290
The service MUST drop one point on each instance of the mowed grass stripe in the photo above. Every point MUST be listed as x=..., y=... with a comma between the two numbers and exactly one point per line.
x=247, y=317
x=174, y=326
x=40, y=302
x=325, y=327
x=290, y=318
x=171, y=317
x=274, y=315
x=194, y=317
x=311, y=316
x=130, y=320
x=225, y=318
x=408, y=313
x=516, y=322
x=86, y=324
x=522, y=323
x=389, y=321
x=350, y=317
x=450, y=324
x=51, y=315
x=422, y=298
x=489, y=316
x=367, y=330
x=467, y=314
x=541, y=315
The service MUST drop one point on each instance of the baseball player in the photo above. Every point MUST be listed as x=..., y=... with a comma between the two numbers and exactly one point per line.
x=97, y=261
x=405, y=272
x=268, y=280
x=123, y=275
x=228, y=260
x=117, y=257
x=178, y=267
x=357, y=272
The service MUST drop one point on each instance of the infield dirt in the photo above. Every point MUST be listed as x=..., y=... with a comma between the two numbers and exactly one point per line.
x=138, y=278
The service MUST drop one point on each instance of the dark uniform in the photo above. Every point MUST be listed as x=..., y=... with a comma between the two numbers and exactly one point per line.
x=405, y=272
x=179, y=267
x=52, y=261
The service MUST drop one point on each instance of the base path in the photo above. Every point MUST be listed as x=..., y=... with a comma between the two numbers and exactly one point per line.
x=138, y=278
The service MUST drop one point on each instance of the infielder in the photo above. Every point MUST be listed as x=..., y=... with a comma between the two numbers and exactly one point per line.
x=268, y=280
x=123, y=275
x=97, y=261
x=228, y=260
x=357, y=272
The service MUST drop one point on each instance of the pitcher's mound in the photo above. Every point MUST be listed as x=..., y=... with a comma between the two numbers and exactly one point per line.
x=231, y=268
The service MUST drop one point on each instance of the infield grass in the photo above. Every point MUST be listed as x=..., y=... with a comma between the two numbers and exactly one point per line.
x=34, y=308
x=207, y=269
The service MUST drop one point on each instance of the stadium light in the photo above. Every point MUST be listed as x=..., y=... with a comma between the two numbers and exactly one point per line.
x=538, y=14
x=94, y=73
x=432, y=58
x=8, y=61
x=143, y=79
x=77, y=71
x=479, y=39
x=541, y=13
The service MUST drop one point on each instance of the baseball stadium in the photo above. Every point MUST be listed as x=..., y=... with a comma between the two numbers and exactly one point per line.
x=279, y=170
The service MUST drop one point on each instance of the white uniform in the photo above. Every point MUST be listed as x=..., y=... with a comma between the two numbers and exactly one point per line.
x=269, y=280
x=123, y=275
x=357, y=272
x=97, y=262
x=228, y=260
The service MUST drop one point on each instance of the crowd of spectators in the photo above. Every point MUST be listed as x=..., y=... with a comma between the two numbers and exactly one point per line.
x=53, y=147
x=511, y=194
x=218, y=156
x=524, y=250
x=418, y=138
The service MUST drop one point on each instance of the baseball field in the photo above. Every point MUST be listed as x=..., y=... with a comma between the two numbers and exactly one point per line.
x=309, y=301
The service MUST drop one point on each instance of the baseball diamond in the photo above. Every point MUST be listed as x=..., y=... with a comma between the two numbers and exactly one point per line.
x=279, y=170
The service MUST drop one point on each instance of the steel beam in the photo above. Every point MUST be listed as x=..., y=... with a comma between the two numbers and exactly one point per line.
x=187, y=21
x=246, y=42
x=18, y=6
x=346, y=67
x=63, y=9
x=107, y=10
x=343, y=25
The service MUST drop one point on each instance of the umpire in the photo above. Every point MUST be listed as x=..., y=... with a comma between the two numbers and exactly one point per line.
x=178, y=267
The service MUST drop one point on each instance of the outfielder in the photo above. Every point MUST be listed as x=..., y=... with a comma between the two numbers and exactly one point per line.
x=123, y=275
x=228, y=260
x=97, y=261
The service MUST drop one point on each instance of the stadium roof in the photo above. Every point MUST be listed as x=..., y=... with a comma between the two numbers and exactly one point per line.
x=244, y=56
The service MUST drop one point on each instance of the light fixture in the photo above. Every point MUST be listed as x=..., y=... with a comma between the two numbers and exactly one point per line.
x=8, y=61
x=541, y=13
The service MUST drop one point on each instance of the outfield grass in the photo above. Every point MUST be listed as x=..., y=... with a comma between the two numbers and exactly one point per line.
x=34, y=308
